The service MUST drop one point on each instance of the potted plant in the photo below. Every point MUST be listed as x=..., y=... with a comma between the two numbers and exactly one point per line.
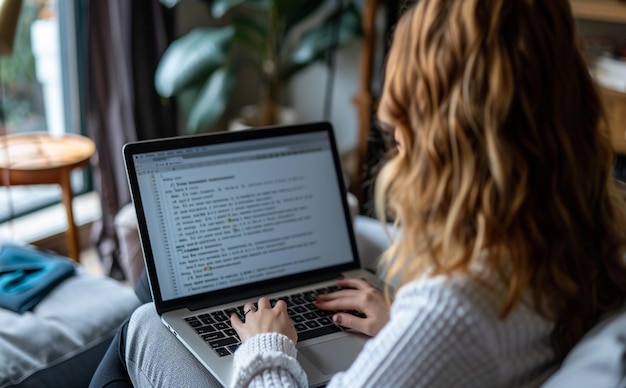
x=276, y=38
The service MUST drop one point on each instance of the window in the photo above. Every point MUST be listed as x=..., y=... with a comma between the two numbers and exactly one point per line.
x=40, y=92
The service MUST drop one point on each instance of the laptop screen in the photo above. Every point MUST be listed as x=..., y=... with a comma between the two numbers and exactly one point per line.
x=229, y=213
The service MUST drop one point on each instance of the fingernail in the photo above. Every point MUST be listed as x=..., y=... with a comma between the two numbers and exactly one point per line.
x=337, y=319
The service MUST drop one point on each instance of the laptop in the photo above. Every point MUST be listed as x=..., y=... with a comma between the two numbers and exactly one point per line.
x=228, y=217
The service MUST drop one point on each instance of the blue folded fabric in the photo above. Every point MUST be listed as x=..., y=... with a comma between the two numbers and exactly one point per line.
x=27, y=275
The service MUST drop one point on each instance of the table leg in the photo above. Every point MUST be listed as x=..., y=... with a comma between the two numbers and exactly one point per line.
x=72, y=232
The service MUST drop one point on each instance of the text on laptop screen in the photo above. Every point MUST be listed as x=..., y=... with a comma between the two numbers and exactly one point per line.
x=229, y=214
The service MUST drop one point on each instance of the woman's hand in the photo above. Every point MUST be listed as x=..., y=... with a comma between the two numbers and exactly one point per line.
x=264, y=319
x=359, y=296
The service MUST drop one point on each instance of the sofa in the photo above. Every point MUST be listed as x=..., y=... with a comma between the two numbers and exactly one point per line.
x=61, y=340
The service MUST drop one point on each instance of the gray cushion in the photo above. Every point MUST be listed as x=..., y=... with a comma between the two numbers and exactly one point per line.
x=598, y=359
x=371, y=240
x=79, y=314
x=131, y=255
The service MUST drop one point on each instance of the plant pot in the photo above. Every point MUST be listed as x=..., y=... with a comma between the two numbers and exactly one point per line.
x=286, y=116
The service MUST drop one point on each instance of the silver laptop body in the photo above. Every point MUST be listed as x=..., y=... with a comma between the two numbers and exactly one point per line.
x=226, y=218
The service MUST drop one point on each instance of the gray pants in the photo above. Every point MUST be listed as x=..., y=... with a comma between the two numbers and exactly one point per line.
x=155, y=358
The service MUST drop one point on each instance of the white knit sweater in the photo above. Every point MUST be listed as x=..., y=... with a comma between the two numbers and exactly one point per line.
x=443, y=332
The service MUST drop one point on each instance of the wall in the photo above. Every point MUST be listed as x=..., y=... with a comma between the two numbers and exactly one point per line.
x=307, y=94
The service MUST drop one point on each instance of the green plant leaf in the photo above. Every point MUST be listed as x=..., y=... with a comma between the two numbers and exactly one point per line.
x=219, y=8
x=316, y=42
x=192, y=58
x=211, y=100
x=170, y=3
x=173, y=3
x=296, y=11
x=186, y=98
x=250, y=30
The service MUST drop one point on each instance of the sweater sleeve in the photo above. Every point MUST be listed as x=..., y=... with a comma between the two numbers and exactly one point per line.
x=268, y=360
x=433, y=339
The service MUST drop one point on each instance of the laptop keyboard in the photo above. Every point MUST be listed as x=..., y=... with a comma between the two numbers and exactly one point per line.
x=310, y=322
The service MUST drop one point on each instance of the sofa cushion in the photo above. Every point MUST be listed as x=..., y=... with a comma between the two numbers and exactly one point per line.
x=79, y=314
x=598, y=360
x=131, y=254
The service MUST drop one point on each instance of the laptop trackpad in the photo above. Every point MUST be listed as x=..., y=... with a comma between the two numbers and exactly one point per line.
x=333, y=356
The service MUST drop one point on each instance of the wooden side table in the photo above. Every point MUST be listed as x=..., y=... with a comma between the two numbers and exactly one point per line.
x=39, y=158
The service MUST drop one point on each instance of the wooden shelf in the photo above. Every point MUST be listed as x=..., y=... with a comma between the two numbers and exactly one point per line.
x=602, y=10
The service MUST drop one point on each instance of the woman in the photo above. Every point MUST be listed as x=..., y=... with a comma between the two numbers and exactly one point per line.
x=513, y=231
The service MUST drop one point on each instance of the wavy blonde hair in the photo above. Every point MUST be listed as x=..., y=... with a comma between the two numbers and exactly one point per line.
x=505, y=158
